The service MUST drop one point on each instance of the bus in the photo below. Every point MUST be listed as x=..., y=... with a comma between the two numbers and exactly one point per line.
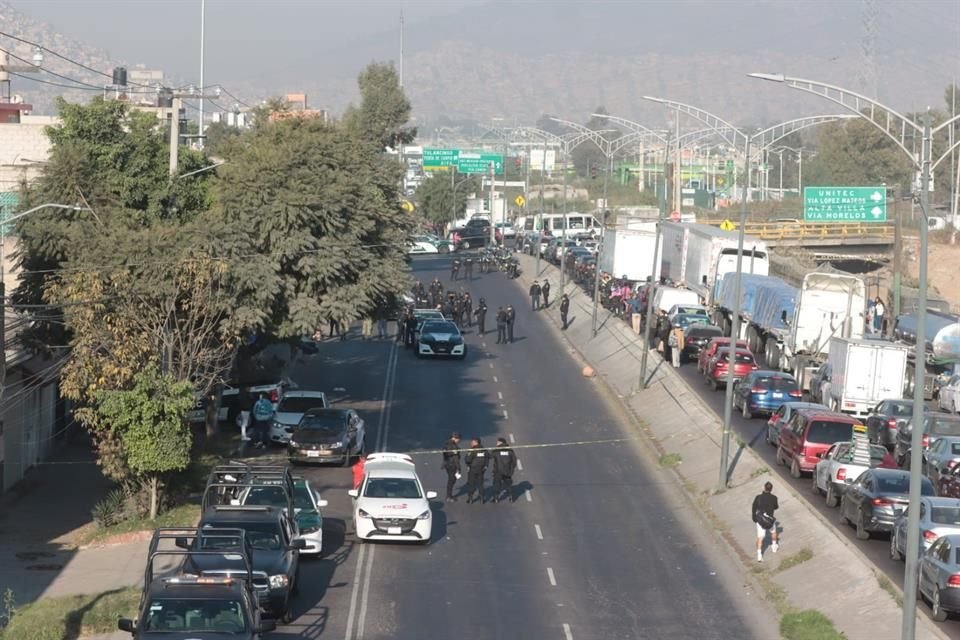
x=559, y=224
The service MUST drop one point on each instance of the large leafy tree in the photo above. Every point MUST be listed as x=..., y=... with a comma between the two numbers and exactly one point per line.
x=381, y=118
x=855, y=152
x=440, y=201
x=588, y=154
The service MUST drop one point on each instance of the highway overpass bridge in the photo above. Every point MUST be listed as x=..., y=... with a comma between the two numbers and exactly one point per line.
x=826, y=241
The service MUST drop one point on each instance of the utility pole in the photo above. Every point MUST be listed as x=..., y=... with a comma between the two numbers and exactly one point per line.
x=603, y=232
x=563, y=250
x=897, y=251
x=493, y=227
x=453, y=195
x=543, y=186
x=175, y=135
x=653, y=273
x=203, y=13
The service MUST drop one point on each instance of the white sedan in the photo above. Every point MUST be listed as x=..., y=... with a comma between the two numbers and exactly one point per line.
x=391, y=503
x=290, y=408
x=949, y=398
x=426, y=243
x=307, y=503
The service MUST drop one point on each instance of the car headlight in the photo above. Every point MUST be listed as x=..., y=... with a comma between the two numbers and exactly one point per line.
x=293, y=443
x=277, y=425
x=279, y=582
x=424, y=516
x=363, y=514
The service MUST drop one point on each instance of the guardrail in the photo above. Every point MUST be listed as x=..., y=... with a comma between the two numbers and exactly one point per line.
x=788, y=230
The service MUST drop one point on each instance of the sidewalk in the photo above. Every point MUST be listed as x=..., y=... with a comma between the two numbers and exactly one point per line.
x=839, y=581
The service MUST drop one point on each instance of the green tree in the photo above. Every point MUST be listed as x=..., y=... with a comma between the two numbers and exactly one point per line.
x=217, y=134
x=149, y=420
x=384, y=110
x=855, y=152
x=440, y=202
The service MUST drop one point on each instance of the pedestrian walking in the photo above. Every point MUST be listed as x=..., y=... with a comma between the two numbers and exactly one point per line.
x=511, y=318
x=366, y=327
x=262, y=415
x=481, y=314
x=545, y=290
x=245, y=403
x=468, y=268
x=334, y=328
x=878, y=312
x=451, y=463
x=564, y=310
x=504, y=464
x=401, y=325
x=763, y=509
x=535, y=295
x=468, y=308
x=476, y=460
x=455, y=269
x=501, y=325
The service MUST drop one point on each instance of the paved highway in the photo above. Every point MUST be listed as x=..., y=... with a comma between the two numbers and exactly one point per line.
x=877, y=549
x=600, y=545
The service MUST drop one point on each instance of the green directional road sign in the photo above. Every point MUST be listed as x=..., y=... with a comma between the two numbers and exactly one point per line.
x=845, y=204
x=439, y=159
x=479, y=162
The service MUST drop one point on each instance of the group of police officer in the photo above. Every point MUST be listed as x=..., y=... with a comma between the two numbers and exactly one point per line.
x=477, y=460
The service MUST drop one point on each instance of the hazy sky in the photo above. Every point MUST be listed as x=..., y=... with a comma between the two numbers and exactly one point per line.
x=244, y=38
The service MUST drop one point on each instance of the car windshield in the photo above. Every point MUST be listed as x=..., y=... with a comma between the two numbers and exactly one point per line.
x=899, y=483
x=195, y=616
x=263, y=536
x=266, y=496
x=301, y=496
x=691, y=310
x=439, y=327
x=900, y=409
x=945, y=515
x=392, y=488
x=299, y=404
x=330, y=423
x=942, y=426
x=684, y=320
x=828, y=432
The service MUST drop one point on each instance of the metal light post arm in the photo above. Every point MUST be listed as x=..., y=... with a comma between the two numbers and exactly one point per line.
x=594, y=136
x=69, y=207
x=723, y=128
x=618, y=144
x=771, y=135
x=630, y=124
x=693, y=137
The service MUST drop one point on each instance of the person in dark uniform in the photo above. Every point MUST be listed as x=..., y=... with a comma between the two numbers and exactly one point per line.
x=535, y=295
x=436, y=292
x=545, y=290
x=511, y=318
x=448, y=307
x=501, y=325
x=468, y=268
x=451, y=463
x=458, y=311
x=477, y=459
x=455, y=268
x=504, y=464
x=468, y=308
x=564, y=310
x=411, y=327
x=481, y=314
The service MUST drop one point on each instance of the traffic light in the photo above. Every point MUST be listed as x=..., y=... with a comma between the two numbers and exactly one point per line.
x=593, y=172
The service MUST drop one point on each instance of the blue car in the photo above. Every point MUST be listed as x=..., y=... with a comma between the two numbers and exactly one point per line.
x=762, y=392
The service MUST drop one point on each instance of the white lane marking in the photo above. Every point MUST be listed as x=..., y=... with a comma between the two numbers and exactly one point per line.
x=506, y=416
x=490, y=364
x=536, y=528
x=512, y=439
x=519, y=465
x=484, y=344
x=499, y=395
x=495, y=379
x=362, y=575
x=553, y=579
x=567, y=634
x=526, y=494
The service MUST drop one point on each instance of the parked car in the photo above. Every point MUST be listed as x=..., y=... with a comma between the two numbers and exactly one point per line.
x=292, y=406
x=697, y=337
x=762, y=392
x=935, y=425
x=808, y=435
x=505, y=231
x=707, y=353
x=781, y=418
x=390, y=503
x=938, y=517
x=941, y=458
x=875, y=500
x=884, y=420
x=839, y=468
x=327, y=435
x=688, y=309
x=742, y=366
x=476, y=233
x=939, y=577
x=427, y=243
x=307, y=505
x=820, y=383
x=948, y=398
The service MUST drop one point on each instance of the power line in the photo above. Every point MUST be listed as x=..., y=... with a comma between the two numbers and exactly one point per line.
x=63, y=77
x=235, y=98
x=53, y=84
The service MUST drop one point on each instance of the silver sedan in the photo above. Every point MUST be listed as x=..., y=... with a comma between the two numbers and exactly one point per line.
x=938, y=517
x=940, y=577
x=942, y=456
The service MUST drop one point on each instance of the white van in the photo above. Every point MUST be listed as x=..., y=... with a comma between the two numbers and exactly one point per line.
x=666, y=297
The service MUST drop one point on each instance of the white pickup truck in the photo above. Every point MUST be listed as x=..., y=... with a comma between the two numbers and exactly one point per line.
x=837, y=469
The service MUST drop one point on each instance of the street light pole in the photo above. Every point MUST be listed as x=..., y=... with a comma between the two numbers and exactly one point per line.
x=203, y=14
x=563, y=249
x=603, y=233
x=653, y=273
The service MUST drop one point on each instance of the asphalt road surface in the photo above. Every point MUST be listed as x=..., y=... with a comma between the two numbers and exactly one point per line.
x=599, y=545
x=877, y=549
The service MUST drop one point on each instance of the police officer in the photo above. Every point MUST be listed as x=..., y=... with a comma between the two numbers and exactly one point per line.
x=451, y=463
x=436, y=292
x=481, y=314
x=504, y=464
x=411, y=326
x=501, y=325
x=477, y=459
x=535, y=295
x=448, y=307
x=511, y=317
x=458, y=311
x=545, y=290
x=454, y=268
x=564, y=310
x=468, y=268
x=468, y=308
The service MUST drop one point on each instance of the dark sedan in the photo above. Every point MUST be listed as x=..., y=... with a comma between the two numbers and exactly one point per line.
x=696, y=338
x=327, y=435
x=876, y=498
x=935, y=425
x=885, y=419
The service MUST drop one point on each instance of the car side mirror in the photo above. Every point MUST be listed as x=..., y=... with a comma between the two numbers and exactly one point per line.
x=431, y=495
x=297, y=545
x=353, y=493
x=126, y=624
x=266, y=626
x=182, y=543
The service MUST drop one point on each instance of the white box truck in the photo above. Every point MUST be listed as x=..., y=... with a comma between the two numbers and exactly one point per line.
x=629, y=252
x=863, y=372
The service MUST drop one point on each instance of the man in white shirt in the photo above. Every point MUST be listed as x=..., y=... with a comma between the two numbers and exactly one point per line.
x=878, y=311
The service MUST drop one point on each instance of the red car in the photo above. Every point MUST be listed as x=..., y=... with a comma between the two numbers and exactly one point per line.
x=742, y=366
x=809, y=435
x=703, y=359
